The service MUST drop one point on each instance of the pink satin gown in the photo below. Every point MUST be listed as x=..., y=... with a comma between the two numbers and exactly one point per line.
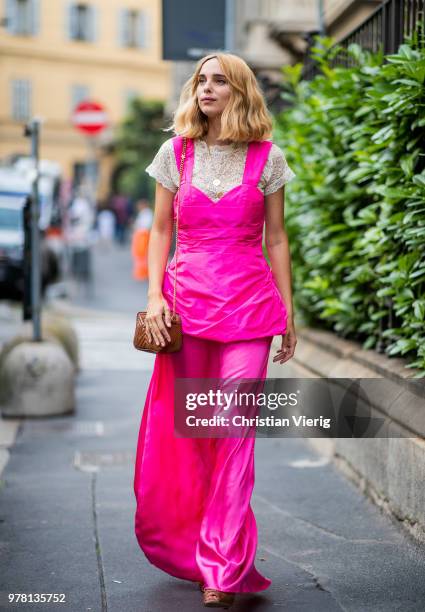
x=193, y=517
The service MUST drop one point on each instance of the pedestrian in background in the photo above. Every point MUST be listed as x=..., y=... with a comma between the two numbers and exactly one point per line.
x=80, y=235
x=106, y=224
x=193, y=517
x=119, y=204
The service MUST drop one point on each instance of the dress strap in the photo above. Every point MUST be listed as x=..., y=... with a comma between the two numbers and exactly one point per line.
x=188, y=165
x=256, y=158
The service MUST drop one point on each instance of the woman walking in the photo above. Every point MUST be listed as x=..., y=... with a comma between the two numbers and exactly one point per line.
x=193, y=517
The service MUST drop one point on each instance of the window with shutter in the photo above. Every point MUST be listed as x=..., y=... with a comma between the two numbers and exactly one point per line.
x=83, y=17
x=82, y=22
x=19, y=15
x=35, y=17
x=142, y=30
x=93, y=22
x=11, y=16
x=122, y=20
x=21, y=99
x=133, y=28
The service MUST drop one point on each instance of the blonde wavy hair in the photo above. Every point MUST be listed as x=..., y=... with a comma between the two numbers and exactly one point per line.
x=245, y=117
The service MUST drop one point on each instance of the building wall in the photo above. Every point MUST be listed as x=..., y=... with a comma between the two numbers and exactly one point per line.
x=257, y=19
x=270, y=33
x=342, y=16
x=53, y=65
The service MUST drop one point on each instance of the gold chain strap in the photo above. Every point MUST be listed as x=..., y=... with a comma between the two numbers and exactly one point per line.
x=177, y=221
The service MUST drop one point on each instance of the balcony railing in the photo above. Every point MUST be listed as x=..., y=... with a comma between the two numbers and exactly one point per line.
x=385, y=28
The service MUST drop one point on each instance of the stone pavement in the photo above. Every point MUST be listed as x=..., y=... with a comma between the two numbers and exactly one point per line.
x=67, y=507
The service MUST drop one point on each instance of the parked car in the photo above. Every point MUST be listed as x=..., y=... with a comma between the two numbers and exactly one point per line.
x=15, y=188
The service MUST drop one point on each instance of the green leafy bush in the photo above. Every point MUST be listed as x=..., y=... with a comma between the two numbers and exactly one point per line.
x=355, y=213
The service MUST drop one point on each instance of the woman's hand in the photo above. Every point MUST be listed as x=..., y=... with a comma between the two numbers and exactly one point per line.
x=289, y=340
x=154, y=322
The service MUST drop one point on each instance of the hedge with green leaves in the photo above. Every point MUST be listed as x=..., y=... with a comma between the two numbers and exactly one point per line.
x=355, y=213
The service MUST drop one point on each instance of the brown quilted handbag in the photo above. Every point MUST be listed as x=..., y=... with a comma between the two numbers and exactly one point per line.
x=140, y=340
x=142, y=343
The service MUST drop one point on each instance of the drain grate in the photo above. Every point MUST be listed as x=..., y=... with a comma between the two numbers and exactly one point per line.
x=87, y=461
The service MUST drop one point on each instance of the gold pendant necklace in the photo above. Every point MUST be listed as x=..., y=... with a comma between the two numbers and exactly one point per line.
x=217, y=182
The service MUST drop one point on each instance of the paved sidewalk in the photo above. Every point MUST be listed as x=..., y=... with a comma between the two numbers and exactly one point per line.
x=67, y=510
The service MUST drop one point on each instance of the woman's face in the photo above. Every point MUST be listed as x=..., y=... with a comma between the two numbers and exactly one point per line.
x=213, y=89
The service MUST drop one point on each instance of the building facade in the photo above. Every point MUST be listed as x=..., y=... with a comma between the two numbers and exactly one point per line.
x=55, y=53
x=269, y=34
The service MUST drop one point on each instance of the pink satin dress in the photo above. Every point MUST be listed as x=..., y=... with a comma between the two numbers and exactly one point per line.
x=225, y=287
x=193, y=517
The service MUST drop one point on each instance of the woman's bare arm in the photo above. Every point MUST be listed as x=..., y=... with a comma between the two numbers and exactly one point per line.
x=160, y=238
x=277, y=245
x=158, y=250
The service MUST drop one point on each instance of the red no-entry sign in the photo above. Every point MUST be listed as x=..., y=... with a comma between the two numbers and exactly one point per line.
x=90, y=117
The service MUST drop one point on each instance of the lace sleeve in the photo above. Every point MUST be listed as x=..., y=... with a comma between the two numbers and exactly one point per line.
x=277, y=171
x=163, y=167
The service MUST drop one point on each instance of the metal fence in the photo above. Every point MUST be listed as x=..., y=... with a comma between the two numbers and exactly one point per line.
x=385, y=28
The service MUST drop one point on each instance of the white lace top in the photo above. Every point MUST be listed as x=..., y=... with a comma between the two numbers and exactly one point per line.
x=227, y=163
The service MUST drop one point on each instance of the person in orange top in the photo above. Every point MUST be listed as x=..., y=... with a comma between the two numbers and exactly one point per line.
x=140, y=239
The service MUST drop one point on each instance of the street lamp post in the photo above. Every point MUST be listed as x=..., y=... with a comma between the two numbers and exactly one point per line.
x=32, y=130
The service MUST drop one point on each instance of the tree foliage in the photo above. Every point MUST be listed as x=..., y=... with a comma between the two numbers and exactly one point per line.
x=138, y=139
